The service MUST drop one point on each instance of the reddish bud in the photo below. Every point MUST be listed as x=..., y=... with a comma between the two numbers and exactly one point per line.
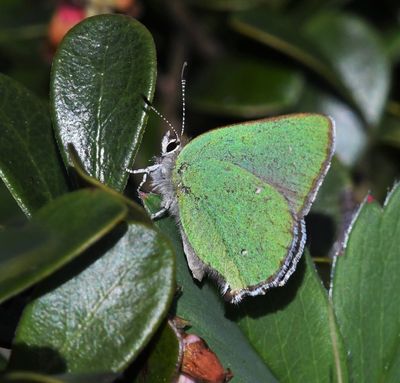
x=200, y=363
x=63, y=19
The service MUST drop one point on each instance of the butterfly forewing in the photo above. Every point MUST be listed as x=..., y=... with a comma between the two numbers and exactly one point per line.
x=291, y=153
x=237, y=224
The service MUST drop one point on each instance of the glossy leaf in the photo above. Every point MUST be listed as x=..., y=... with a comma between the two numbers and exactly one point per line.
x=365, y=292
x=358, y=59
x=32, y=377
x=292, y=328
x=161, y=360
x=332, y=209
x=239, y=88
x=203, y=307
x=351, y=137
x=135, y=212
x=29, y=162
x=357, y=66
x=56, y=234
x=102, y=70
x=113, y=308
x=10, y=212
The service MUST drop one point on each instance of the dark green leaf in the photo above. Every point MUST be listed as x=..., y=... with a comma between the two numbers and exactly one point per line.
x=389, y=132
x=135, y=212
x=32, y=377
x=102, y=70
x=163, y=358
x=357, y=58
x=245, y=88
x=391, y=41
x=57, y=233
x=365, y=292
x=293, y=329
x=10, y=212
x=29, y=162
x=3, y=362
x=341, y=48
x=99, y=320
x=332, y=210
x=351, y=137
x=204, y=308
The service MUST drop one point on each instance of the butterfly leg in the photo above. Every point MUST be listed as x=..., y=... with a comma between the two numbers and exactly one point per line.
x=147, y=172
x=160, y=214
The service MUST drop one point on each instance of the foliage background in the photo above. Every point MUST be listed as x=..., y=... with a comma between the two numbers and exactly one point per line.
x=250, y=59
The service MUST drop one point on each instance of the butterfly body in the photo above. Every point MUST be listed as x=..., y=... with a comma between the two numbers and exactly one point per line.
x=239, y=195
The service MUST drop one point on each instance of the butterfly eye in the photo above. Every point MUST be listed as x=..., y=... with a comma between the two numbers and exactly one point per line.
x=172, y=145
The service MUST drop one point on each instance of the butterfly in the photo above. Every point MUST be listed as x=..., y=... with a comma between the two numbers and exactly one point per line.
x=239, y=195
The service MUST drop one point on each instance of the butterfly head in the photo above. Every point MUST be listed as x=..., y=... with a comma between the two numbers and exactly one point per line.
x=171, y=143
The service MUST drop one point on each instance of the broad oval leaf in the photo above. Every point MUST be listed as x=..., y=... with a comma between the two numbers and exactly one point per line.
x=358, y=59
x=29, y=163
x=99, y=320
x=341, y=48
x=239, y=88
x=351, y=135
x=365, y=292
x=203, y=307
x=101, y=72
x=10, y=212
x=161, y=360
x=56, y=234
x=293, y=329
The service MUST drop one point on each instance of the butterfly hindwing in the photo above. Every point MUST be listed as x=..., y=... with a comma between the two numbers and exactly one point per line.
x=239, y=226
x=242, y=193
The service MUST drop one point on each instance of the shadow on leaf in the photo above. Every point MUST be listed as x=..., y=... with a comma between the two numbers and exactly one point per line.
x=274, y=300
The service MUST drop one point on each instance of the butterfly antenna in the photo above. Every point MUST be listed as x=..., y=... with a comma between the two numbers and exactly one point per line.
x=159, y=114
x=183, y=87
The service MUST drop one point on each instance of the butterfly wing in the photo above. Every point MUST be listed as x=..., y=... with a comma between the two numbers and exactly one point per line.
x=242, y=193
x=291, y=153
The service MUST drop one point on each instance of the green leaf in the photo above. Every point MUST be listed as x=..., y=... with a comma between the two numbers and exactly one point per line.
x=351, y=137
x=389, y=132
x=204, y=308
x=135, y=211
x=160, y=362
x=99, y=320
x=56, y=234
x=29, y=163
x=32, y=377
x=332, y=210
x=358, y=59
x=10, y=212
x=239, y=88
x=391, y=39
x=292, y=328
x=365, y=292
x=3, y=362
x=102, y=70
x=341, y=48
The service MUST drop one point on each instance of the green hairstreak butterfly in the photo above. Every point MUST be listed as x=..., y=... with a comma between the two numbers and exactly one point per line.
x=240, y=194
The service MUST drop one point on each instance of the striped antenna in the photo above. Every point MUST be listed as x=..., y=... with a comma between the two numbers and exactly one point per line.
x=183, y=88
x=150, y=106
